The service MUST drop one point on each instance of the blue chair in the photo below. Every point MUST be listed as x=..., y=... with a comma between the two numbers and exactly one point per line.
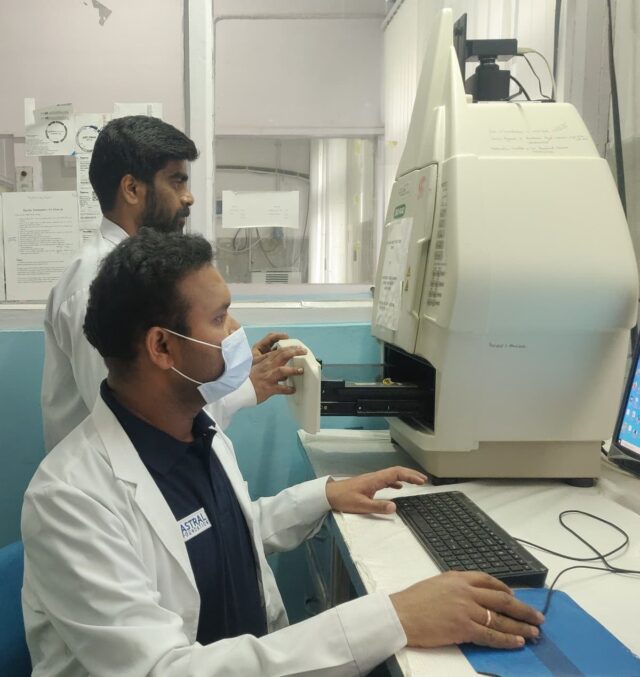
x=14, y=655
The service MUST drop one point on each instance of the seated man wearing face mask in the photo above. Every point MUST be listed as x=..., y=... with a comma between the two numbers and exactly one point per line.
x=144, y=553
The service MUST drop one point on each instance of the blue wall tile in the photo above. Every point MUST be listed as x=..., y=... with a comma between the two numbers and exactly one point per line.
x=21, y=442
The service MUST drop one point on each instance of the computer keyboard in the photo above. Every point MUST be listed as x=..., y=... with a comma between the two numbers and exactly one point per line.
x=460, y=536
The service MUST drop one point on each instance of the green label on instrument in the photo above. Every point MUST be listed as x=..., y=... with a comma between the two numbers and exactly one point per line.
x=399, y=211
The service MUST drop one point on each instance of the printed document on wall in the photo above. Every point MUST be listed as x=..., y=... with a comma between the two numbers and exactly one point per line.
x=89, y=212
x=41, y=235
x=260, y=209
x=398, y=237
x=88, y=126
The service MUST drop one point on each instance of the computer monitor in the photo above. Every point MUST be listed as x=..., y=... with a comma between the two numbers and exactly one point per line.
x=625, y=443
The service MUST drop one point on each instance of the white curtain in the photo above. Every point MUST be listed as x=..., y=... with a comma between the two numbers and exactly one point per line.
x=327, y=210
x=405, y=41
x=627, y=62
x=341, y=211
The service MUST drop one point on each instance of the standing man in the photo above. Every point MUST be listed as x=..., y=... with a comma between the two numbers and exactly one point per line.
x=144, y=553
x=139, y=174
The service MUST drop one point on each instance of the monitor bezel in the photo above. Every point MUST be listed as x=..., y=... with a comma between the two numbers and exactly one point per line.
x=624, y=456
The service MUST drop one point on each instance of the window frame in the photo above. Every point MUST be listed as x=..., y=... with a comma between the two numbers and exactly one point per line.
x=199, y=47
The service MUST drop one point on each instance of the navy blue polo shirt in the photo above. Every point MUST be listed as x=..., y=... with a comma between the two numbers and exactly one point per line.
x=198, y=491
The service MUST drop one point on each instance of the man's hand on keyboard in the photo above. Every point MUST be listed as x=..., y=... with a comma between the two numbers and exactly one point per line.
x=357, y=493
x=457, y=607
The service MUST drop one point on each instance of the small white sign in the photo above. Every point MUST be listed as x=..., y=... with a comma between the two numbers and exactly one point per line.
x=263, y=209
x=194, y=524
x=398, y=237
x=52, y=131
x=87, y=128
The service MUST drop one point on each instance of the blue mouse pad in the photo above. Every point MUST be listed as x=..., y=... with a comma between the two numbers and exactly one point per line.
x=572, y=644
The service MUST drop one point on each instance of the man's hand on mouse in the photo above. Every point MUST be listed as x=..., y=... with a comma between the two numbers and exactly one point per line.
x=270, y=368
x=457, y=607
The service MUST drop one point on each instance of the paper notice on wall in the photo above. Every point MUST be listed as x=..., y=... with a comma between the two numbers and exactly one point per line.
x=89, y=212
x=262, y=209
x=87, y=127
x=51, y=132
x=153, y=110
x=397, y=239
x=87, y=236
x=41, y=236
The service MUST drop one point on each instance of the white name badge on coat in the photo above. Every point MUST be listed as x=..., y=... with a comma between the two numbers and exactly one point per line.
x=194, y=524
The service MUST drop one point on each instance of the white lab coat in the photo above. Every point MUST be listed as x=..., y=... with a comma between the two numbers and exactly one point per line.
x=109, y=590
x=73, y=368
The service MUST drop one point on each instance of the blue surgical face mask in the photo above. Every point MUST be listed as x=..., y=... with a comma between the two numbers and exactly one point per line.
x=238, y=358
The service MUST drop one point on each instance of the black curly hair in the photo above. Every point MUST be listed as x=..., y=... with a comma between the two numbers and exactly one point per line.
x=138, y=145
x=136, y=288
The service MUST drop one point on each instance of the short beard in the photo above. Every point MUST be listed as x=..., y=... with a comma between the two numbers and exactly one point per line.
x=158, y=217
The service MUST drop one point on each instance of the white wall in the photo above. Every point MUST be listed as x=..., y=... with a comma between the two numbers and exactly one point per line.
x=58, y=52
x=285, y=68
x=295, y=70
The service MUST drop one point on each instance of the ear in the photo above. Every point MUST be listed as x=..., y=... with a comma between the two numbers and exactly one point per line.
x=159, y=344
x=132, y=190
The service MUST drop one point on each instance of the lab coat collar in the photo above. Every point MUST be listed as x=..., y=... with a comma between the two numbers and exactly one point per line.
x=157, y=449
x=112, y=232
x=128, y=467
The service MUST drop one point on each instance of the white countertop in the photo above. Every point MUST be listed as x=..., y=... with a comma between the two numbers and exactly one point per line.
x=387, y=557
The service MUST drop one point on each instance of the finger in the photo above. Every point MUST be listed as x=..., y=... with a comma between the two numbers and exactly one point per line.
x=260, y=358
x=391, y=477
x=266, y=343
x=274, y=336
x=509, y=626
x=279, y=389
x=395, y=485
x=291, y=351
x=371, y=506
x=485, y=636
x=402, y=474
x=278, y=357
x=413, y=477
x=484, y=581
x=285, y=354
x=508, y=605
x=283, y=373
